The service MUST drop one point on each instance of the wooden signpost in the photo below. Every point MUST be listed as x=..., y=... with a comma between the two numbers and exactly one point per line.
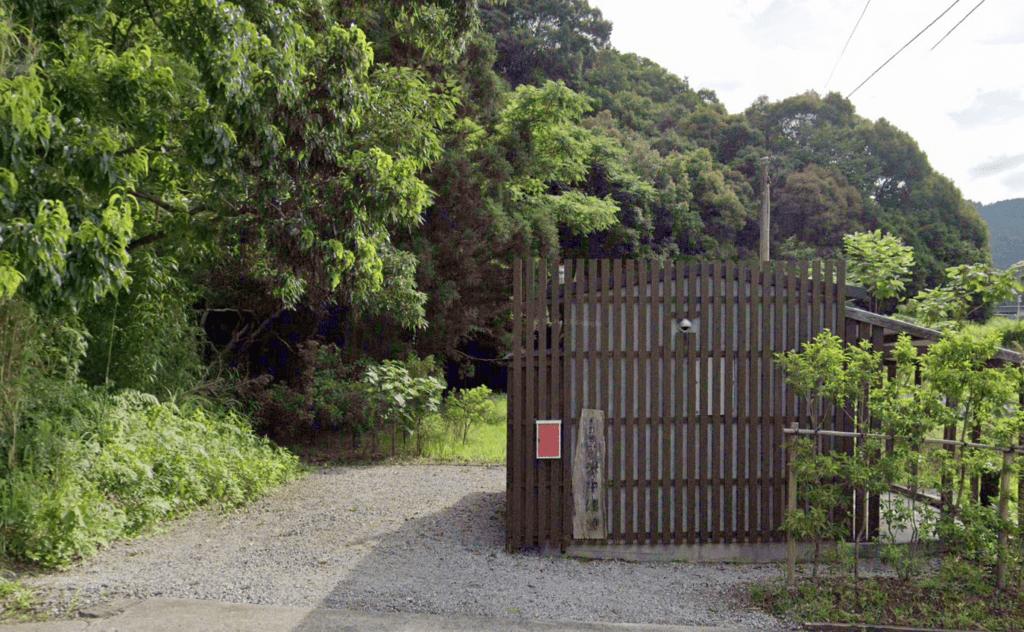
x=588, y=476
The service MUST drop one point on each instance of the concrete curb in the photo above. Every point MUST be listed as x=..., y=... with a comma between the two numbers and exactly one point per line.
x=867, y=627
x=189, y=615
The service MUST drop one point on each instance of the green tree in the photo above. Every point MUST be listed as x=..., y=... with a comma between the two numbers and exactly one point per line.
x=816, y=206
x=545, y=40
x=880, y=263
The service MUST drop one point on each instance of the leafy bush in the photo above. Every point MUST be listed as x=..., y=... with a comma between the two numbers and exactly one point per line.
x=400, y=400
x=94, y=466
x=362, y=397
x=466, y=408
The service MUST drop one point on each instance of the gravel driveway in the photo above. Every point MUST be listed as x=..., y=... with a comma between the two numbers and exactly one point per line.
x=424, y=539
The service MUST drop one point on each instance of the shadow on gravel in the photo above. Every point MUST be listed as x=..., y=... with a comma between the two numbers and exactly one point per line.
x=441, y=563
x=453, y=563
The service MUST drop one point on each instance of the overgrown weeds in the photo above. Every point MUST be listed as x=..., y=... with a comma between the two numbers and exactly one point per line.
x=92, y=466
x=952, y=598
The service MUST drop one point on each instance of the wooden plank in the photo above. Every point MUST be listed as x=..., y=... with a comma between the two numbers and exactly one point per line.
x=665, y=399
x=743, y=403
x=714, y=391
x=729, y=416
x=617, y=425
x=778, y=406
x=579, y=320
x=817, y=323
x=606, y=354
x=678, y=361
x=874, y=506
x=529, y=429
x=568, y=330
x=643, y=414
x=828, y=322
x=795, y=312
x=704, y=393
x=629, y=527
x=588, y=467
x=692, y=410
x=540, y=467
x=554, y=467
x=513, y=476
x=765, y=418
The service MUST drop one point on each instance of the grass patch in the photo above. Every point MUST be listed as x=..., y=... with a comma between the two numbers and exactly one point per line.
x=17, y=603
x=486, y=444
x=487, y=437
x=942, y=601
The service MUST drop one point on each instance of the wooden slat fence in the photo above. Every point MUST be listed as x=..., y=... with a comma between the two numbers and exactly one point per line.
x=693, y=420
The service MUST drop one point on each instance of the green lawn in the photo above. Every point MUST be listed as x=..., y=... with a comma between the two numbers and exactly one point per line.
x=486, y=444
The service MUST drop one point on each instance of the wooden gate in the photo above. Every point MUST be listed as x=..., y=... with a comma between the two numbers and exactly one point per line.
x=680, y=359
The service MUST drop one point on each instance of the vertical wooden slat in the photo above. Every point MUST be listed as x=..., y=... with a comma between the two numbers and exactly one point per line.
x=554, y=467
x=609, y=382
x=513, y=482
x=629, y=529
x=540, y=467
x=796, y=307
x=706, y=394
x=580, y=325
x=766, y=282
x=874, y=505
x=622, y=393
x=745, y=346
x=817, y=324
x=569, y=329
x=828, y=322
x=529, y=429
x=679, y=529
x=729, y=416
x=665, y=400
x=692, y=409
x=779, y=402
x=643, y=415
x=714, y=391
x=840, y=291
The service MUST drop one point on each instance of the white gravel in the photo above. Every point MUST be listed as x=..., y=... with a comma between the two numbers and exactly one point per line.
x=423, y=539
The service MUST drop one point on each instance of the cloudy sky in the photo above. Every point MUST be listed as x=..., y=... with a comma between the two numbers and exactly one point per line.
x=962, y=102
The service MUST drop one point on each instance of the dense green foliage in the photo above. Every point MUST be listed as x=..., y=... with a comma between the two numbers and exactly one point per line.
x=196, y=190
x=88, y=467
x=956, y=390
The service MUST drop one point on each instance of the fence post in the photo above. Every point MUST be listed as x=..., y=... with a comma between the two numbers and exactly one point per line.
x=1004, y=516
x=791, y=503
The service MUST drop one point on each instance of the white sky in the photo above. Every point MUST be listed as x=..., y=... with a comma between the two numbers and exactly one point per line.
x=963, y=102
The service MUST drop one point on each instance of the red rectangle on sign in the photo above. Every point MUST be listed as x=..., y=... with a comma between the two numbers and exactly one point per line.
x=549, y=439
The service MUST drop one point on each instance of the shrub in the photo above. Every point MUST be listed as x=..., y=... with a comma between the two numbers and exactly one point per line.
x=93, y=466
x=466, y=408
x=400, y=400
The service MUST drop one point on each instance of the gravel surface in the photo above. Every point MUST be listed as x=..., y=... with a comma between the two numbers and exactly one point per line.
x=423, y=539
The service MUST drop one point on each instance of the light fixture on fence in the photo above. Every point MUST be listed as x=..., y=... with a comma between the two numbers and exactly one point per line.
x=687, y=326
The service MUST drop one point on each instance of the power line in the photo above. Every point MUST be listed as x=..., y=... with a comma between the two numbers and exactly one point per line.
x=958, y=23
x=904, y=46
x=848, y=41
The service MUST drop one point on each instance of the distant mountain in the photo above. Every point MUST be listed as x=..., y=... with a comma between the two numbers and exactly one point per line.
x=1006, y=225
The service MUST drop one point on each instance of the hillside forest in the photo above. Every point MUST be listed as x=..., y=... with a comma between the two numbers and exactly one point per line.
x=1005, y=220
x=237, y=210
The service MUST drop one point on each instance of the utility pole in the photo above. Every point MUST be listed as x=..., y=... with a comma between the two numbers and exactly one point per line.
x=766, y=213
